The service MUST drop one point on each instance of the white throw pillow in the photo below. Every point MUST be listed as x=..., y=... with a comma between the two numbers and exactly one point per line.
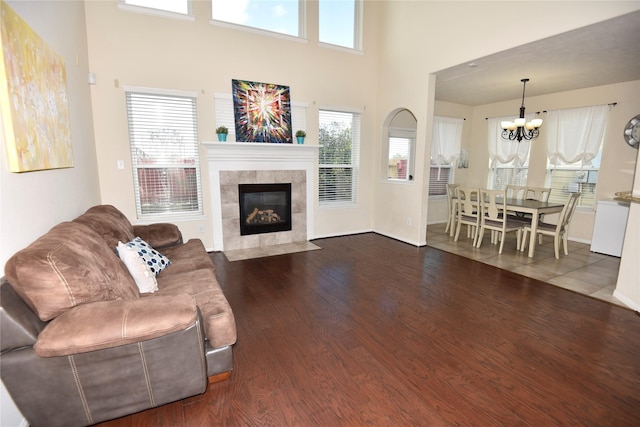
x=138, y=269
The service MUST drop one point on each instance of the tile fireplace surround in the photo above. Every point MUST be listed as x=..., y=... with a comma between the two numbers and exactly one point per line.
x=233, y=163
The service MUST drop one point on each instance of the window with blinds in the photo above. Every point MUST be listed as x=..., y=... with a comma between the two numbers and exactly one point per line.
x=440, y=176
x=163, y=135
x=339, y=138
x=400, y=161
x=574, y=178
x=223, y=105
x=508, y=174
x=576, y=134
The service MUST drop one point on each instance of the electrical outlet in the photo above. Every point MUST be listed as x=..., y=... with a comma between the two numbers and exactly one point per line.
x=120, y=164
x=409, y=221
x=201, y=229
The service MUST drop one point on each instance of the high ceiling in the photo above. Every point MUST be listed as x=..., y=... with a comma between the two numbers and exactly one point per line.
x=604, y=53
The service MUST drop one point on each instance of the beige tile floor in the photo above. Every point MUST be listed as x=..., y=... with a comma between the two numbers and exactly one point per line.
x=271, y=250
x=581, y=271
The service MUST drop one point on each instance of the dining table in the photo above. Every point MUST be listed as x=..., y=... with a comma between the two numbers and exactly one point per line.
x=535, y=208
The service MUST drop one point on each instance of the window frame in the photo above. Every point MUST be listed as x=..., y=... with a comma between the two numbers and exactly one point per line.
x=174, y=215
x=354, y=165
x=357, y=30
x=302, y=27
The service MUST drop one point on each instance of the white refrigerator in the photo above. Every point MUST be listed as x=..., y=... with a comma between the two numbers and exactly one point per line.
x=609, y=227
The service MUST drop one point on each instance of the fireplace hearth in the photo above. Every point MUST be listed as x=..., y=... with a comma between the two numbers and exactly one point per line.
x=264, y=208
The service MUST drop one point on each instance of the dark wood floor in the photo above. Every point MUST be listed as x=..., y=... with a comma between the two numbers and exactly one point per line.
x=371, y=331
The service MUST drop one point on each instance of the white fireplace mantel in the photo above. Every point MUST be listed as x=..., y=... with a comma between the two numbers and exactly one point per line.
x=246, y=156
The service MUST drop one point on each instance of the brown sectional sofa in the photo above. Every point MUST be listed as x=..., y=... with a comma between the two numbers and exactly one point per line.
x=80, y=344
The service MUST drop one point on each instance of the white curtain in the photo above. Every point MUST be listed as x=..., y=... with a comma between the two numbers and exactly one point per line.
x=505, y=151
x=575, y=134
x=447, y=138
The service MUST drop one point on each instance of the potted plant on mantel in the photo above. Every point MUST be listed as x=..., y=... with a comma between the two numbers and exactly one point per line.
x=300, y=136
x=222, y=132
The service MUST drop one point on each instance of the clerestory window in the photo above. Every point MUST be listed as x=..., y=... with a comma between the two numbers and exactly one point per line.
x=340, y=23
x=282, y=16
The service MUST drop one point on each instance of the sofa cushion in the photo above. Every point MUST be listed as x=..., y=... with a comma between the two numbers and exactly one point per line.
x=107, y=324
x=109, y=223
x=139, y=270
x=217, y=316
x=189, y=256
x=151, y=257
x=68, y=266
x=160, y=235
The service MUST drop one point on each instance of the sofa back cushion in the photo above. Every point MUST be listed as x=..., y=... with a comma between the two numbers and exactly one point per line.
x=109, y=223
x=68, y=266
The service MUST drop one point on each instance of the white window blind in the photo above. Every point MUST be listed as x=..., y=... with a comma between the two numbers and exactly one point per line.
x=400, y=155
x=439, y=177
x=163, y=135
x=223, y=105
x=339, y=138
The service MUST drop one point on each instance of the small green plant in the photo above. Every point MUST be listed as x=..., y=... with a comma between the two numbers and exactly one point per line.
x=301, y=133
x=222, y=129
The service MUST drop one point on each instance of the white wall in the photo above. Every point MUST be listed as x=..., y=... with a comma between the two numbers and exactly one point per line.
x=133, y=49
x=32, y=202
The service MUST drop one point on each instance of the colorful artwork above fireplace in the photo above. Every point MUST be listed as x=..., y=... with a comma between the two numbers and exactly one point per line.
x=262, y=112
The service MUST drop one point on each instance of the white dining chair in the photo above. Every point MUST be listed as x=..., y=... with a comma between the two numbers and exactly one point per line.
x=468, y=212
x=493, y=205
x=452, y=205
x=538, y=193
x=560, y=230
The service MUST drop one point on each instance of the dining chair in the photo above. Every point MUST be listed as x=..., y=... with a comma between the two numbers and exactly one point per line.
x=493, y=205
x=538, y=193
x=468, y=212
x=560, y=230
x=452, y=205
x=515, y=192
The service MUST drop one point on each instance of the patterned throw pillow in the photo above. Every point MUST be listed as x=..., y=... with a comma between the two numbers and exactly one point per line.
x=154, y=259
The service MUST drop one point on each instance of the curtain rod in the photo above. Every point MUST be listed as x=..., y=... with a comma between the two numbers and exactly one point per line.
x=611, y=104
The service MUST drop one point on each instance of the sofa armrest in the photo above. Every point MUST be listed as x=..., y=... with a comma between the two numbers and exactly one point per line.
x=159, y=235
x=107, y=324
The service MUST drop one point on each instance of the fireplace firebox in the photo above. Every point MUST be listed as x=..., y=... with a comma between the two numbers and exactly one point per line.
x=264, y=208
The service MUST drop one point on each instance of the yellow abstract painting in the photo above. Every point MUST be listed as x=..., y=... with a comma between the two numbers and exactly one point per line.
x=33, y=99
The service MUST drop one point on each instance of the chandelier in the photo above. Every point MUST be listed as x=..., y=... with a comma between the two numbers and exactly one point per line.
x=518, y=130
